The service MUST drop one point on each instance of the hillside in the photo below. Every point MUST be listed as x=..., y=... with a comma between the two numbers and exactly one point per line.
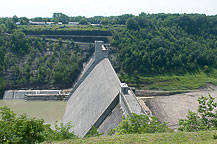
x=151, y=51
x=171, y=138
x=39, y=63
x=160, y=51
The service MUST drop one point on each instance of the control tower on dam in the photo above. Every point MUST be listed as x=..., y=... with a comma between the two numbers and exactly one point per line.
x=99, y=98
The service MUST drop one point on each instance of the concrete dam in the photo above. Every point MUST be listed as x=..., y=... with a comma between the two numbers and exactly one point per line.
x=99, y=98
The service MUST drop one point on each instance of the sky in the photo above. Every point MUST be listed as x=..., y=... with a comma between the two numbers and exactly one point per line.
x=90, y=8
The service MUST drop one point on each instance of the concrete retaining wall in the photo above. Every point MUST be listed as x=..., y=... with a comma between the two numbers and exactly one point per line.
x=20, y=94
x=130, y=104
x=112, y=121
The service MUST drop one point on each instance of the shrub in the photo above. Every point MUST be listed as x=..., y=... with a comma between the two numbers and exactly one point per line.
x=20, y=129
x=26, y=130
x=61, y=132
x=140, y=124
x=204, y=119
x=93, y=132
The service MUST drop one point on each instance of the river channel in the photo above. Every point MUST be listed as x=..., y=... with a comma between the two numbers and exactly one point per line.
x=50, y=111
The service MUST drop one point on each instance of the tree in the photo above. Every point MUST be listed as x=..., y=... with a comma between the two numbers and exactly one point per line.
x=204, y=119
x=19, y=43
x=15, y=18
x=104, y=21
x=20, y=129
x=132, y=24
x=140, y=124
x=3, y=28
x=83, y=21
x=10, y=25
x=24, y=130
x=60, y=17
x=123, y=18
x=24, y=20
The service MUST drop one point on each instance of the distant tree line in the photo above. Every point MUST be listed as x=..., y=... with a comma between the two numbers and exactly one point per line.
x=162, y=43
x=60, y=17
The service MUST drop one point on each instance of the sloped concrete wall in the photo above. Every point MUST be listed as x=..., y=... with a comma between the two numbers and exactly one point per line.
x=112, y=121
x=92, y=97
x=100, y=53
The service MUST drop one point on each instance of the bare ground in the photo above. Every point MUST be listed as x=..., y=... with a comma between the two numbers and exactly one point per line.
x=174, y=107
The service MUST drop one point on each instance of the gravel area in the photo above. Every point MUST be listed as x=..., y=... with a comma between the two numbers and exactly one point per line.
x=174, y=107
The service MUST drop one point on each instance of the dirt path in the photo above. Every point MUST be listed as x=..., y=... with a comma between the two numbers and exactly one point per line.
x=174, y=107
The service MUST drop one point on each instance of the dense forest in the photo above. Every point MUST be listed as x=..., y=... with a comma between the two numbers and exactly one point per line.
x=30, y=62
x=167, y=43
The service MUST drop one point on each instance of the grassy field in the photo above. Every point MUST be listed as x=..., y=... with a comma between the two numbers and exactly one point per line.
x=202, y=137
x=186, y=81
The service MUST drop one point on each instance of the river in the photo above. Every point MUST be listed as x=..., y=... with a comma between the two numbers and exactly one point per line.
x=50, y=111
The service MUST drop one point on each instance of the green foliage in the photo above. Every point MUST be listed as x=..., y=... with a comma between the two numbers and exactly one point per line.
x=132, y=24
x=24, y=130
x=83, y=22
x=165, y=43
x=10, y=25
x=61, y=132
x=204, y=119
x=214, y=136
x=140, y=124
x=171, y=81
x=60, y=17
x=20, y=129
x=104, y=21
x=93, y=132
x=3, y=85
x=19, y=43
x=32, y=61
x=3, y=28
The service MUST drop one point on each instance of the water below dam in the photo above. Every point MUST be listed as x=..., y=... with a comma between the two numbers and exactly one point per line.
x=50, y=111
